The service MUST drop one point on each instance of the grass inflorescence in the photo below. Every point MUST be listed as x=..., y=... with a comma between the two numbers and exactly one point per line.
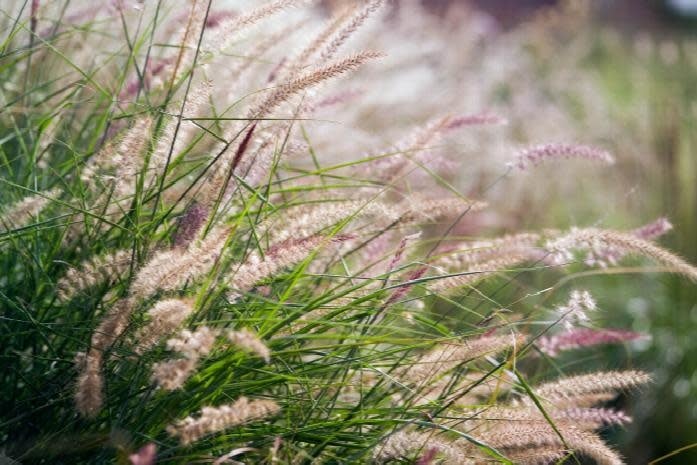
x=193, y=273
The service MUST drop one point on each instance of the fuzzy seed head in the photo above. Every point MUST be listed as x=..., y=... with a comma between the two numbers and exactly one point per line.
x=215, y=419
x=247, y=340
x=538, y=154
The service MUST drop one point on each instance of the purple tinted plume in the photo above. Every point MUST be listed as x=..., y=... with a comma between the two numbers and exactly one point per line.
x=428, y=457
x=584, y=337
x=399, y=253
x=474, y=120
x=653, y=230
x=216, y=17
x=189, y=224
x=33, y=15
x=146, y=455
x=403, y=290
x=538, y=154
x=602, y=256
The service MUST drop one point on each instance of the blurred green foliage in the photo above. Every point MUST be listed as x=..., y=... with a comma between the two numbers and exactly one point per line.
x=659, y=75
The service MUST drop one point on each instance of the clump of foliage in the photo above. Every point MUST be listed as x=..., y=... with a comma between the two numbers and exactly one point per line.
x=193, y=272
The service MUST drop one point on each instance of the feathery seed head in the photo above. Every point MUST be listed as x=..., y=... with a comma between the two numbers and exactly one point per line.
x=193, y=345
x=525, y=436
x=593, y=239
x=104, y=268
x=19, y=214
x=349, y=29
x=290, y=88
x=215, y=419
x=169, y=270
x=245, y=275
x=146, y=455
x=247, y=340
x=165, y=317
x=574, y=311
x=467, y=254
x=609, y=382
x=190, y=224
x=404, y=444
x=479, y=272
x=539, y=154
x=447, y=356
x=584, y=337
x=401, y=249
x=173, y=374
x=230, y=28
x=653, y=230
x=89, y=395
x=476, y=119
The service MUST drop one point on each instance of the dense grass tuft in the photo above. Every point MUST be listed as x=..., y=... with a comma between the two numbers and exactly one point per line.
x=193, y=272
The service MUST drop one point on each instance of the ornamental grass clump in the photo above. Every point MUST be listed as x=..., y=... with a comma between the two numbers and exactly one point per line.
x=196, y=269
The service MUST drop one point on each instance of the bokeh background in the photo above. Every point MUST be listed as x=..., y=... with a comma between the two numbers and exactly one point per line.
x=641, y=58
x=622, y=74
